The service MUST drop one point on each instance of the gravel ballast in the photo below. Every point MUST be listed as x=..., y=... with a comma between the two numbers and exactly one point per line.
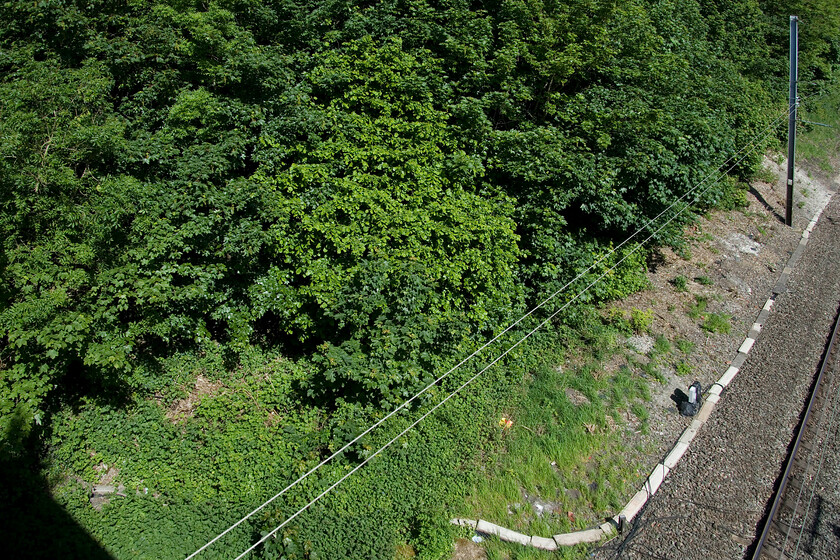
x=806, y=524
x=712, y=501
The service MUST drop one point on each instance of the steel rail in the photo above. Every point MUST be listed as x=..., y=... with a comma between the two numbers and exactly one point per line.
x=768, y=523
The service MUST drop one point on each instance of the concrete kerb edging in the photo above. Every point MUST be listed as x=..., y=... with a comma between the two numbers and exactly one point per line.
x=661, y=470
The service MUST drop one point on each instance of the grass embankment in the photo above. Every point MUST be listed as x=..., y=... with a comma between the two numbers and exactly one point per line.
x=820, y=145
x=565, y=463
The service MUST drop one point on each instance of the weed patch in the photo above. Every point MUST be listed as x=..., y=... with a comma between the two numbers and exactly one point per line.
x=764, y=175
x=716, y=323
x=662, y=345
x=683, y=345
x=698, y=308
x=562, y=453
x=641, y=321
x=703, y=280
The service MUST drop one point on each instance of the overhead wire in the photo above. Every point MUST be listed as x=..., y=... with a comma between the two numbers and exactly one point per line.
x=749, y=147
x=766, y=132
x=476, y=352
x=485, y=345
x=624, y=545
x=831, y=433
x=803, y=486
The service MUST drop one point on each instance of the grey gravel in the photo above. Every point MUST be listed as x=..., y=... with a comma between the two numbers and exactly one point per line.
x=641, y=343
x=711, y=503
x=813, y=530
x=742, y=243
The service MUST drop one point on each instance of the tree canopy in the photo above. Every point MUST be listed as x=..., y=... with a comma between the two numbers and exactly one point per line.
x=370, y=186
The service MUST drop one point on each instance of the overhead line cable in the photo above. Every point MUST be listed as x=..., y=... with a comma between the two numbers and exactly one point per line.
x=831, y=432
x=494, y=339
x=803, y=486
x=751, y=145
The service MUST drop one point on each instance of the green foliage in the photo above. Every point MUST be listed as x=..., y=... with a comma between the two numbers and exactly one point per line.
x=378, y=232
x=683, y=251
x=765, y=175
x=684, y=346
x=653, y=370
x=641, y=321
x=819, y=144
x=683, y=368
x=638, y=321
x=704, y=280
x=662, y=345
x=316, y=208
x=640, y=412
x=562, y=426
x=617, y=319
x=680, y=283
x=698, y=308
x=710, y=322
x=818, y=41
x=731, y=196
x=716, y=323
x=338, y=179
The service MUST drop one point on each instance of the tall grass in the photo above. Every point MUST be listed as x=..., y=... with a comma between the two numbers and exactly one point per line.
x=564, y=450
x=821, y=144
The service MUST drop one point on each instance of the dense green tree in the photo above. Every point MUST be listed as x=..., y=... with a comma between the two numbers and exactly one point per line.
x=310, y=173
x=819, y=43
x=367, y=188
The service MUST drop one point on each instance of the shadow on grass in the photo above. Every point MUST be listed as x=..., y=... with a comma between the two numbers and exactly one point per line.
x=32, y=524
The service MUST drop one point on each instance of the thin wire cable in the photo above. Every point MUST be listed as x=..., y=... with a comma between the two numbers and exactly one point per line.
x=757, y=139
x=491, y=364
x=831, y=431
x=600, y=260
x=620, y=549
x=826, y=445
x=802, y=487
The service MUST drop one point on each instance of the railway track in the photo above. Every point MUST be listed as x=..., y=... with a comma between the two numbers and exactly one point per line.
x=803, y=520
x=714, y=503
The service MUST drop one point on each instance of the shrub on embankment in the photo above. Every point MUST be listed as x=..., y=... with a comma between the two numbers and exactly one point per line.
x=369, y=190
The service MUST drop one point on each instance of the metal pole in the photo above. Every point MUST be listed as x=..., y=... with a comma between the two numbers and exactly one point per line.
x=794, y=101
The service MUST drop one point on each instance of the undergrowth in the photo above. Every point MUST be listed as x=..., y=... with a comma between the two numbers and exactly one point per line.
x=560, y=464
x=817, y=143
x=235, y=234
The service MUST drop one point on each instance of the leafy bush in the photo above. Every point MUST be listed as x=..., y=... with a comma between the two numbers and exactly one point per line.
x=392, y=247
x=221, y=173
x=199, y=188
x=641, y=321
x=617, y=319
